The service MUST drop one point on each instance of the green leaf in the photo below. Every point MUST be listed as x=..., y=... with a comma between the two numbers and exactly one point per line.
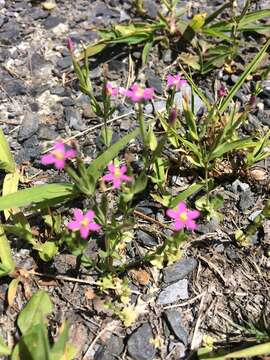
x=47, y=250
x=251, y=67
x=10, y=185
x=62, y=350
x=40, y=195
x=7, y=162
x=7, y=264
x=191, y=121
x=99, y=164
x=186, y=193
x=250, y=352
x=146, y=49
x=234, y=145
x=39, y=306
x=34, y=345
x=4, y=350
x=92, y=49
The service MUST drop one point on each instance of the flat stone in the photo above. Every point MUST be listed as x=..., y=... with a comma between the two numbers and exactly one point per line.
x=139, y=346
x=74, y=119
x=113, y=348
x=37, y=13
x=52, y=21
x=173, y=293
x=246, y=200
x=146, y=239
x=29, y=126
x=175, y=324
x=47, y=133
x=154, y=81
x=179, y=270
x=64, y=63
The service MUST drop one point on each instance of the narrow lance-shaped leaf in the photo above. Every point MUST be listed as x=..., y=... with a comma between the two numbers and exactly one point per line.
x=7, y=162
x=7, y=264
x=38, y=195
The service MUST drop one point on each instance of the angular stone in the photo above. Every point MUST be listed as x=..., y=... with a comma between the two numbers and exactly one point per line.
x=179, y=270
x=139, y=346
x=29, y=126
x=175, y=324
x=173, y=293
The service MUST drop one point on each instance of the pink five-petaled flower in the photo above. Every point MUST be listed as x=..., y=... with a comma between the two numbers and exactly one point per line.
x=138, y=94
x=183, y=217
x=58, y=155
x=117, y=175
x=83, y=223
x=111, y=90
x=175, y=81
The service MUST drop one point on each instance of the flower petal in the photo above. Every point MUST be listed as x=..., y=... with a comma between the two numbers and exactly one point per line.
x=126, y=178
x=89, y=215
x=111, y=168
x=94, y=227
x=84, y=231
x=172, y=214
x=108, y=177
x=193, y=214
x=78, y=214
x=73, y=225
x=116, y=183
x=59, y=164
x=71, y=153
x=47, y=159
x=191, y=225
x=181, y=207
x=179, y=225
x=123, y=169
x=59, y=146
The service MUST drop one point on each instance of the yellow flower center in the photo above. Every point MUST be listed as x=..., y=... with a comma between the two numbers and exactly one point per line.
x=117, y=173
x=139, y=92
x=58, y=155
x=183, y=216
x=85, y=222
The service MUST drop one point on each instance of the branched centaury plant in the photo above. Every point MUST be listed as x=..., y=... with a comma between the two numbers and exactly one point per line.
x=209, y=139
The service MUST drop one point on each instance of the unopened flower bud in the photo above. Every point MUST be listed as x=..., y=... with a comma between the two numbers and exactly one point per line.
x=222, y=91
x=172, y=116
x=70, y=44
x=252, y=101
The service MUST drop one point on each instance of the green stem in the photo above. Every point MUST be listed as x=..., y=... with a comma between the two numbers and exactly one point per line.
x=142, y=125
x=5, y=252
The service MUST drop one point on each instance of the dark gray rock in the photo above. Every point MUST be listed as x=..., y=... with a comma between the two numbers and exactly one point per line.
x=179, y=270
x=10, y=33
x=37, y=62
x=29, y=126
x=64, y=62
x=151, y=8
x=173, y=293
x=167, y=56
x=264, y=117
x=154, y=81
x=74, y=119
x=68, y=102
x=265, y=85
x=47, y=133
x=246, y=200
x=146, y=239
x=139, y=346
x=59, y=90
x=3, y=19
x=238, y=186
x=52, y=21
x=38, y=13
x=175, y=324
x=113, y=348
x=11, y=86
x=208, y=227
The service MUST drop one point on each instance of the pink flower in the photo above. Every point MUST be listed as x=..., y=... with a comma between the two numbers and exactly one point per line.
x=175, y=81
x=183, y=217
x=70, y=44
x=117, y=175
x=83, y=223
x=111, y=90
x=58, y=155
x=138, y=94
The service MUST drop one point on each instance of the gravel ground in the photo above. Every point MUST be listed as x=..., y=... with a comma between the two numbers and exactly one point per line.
x=218, y=287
